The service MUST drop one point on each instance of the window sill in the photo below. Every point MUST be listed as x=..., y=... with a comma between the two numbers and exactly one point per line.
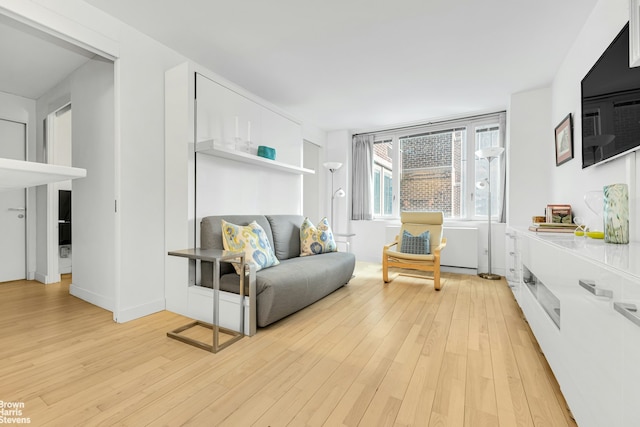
x=447, y=221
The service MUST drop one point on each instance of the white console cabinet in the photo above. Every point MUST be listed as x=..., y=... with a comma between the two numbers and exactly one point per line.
x=513, y=271
x=578, y=296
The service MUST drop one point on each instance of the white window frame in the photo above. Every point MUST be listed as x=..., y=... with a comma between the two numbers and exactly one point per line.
x=395, y=177
x=468, y=162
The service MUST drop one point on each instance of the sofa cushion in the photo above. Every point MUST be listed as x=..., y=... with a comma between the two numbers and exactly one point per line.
x=316, y=240
x=295, y=283
x=250, y=239
x=286, y=235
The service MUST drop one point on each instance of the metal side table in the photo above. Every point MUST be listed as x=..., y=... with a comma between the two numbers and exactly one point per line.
x=214, y=256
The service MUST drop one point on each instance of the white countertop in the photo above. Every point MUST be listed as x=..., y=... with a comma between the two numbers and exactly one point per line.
x=621, y=258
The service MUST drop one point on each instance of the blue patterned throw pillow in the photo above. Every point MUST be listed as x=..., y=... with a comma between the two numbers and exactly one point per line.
x=250, y=239
x=316, y=240
x=417, y=245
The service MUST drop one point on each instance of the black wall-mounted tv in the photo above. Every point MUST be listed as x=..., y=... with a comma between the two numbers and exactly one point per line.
x=611, y=105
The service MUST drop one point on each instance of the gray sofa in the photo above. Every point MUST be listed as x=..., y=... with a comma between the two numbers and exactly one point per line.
x=285, y=288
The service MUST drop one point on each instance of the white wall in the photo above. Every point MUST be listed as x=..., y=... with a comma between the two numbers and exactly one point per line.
x=529, y=155
x=314, y=134
x=140, y=96
x=312, y=190
x=314, y=186
x=338, y=149
x=371, y=236
x=20, y=109
x=92, y=100
x=570, y=181
x=227, y=187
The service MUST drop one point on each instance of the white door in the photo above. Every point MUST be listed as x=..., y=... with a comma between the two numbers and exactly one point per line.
x=12, y=208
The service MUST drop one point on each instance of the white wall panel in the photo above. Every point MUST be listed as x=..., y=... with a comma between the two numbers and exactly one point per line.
x=529, y=162
x=92, y=100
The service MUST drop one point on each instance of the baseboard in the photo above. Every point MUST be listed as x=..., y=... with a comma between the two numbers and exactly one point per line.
x=43, y=278
x=472, y=271
x=91, y=297
x=459, y=270
x=139, y=311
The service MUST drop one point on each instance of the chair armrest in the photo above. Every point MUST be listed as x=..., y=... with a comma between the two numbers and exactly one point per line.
x=390, y=245
x=442, y=245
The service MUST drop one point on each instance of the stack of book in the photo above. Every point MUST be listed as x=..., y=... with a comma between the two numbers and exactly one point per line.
x=553, y=227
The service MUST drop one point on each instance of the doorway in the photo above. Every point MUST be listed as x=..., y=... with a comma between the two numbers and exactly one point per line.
x=58, y=148
x=13, y=228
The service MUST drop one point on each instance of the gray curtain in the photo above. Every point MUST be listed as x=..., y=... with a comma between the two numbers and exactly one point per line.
x=362, y=193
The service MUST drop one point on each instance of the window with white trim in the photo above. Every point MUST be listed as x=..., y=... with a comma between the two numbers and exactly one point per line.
x=383, y=178
x=434, y=168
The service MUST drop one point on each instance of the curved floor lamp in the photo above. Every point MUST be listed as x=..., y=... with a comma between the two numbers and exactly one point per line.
x=488, y=153
x=334, y=166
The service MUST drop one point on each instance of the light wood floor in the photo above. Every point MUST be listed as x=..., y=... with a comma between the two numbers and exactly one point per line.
x=369, y=354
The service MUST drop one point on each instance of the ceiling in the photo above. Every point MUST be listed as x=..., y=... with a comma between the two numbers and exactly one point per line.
x=363, y=64
x=32, y=61
x=338, y=64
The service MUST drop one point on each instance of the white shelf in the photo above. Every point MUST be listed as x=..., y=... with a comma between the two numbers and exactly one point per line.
x=16, y=174
x=207, y=147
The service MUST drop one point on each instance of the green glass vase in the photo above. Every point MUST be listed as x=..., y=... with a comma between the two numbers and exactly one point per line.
x=616, y=213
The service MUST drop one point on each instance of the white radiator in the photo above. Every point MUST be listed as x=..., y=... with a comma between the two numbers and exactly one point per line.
x=461, y=250
x=462, y=247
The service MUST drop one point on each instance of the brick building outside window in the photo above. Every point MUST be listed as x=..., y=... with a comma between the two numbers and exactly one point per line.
x=433, y=168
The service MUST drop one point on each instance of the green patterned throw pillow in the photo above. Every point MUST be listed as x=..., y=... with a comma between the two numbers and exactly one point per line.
x=316, y=240
x=250, y=239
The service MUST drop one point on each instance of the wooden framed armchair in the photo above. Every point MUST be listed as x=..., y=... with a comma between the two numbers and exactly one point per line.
x=416, y=224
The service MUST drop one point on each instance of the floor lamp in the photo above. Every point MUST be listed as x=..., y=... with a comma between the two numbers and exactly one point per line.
x=333, y=167
x=488, y=153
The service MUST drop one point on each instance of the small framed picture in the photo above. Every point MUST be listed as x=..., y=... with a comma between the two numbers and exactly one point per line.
x=564, y=141
x=559, y=214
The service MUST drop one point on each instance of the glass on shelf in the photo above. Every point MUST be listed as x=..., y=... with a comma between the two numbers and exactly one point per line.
x=582, y=226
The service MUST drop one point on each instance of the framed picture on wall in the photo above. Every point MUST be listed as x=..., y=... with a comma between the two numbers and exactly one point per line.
x=564, y=140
